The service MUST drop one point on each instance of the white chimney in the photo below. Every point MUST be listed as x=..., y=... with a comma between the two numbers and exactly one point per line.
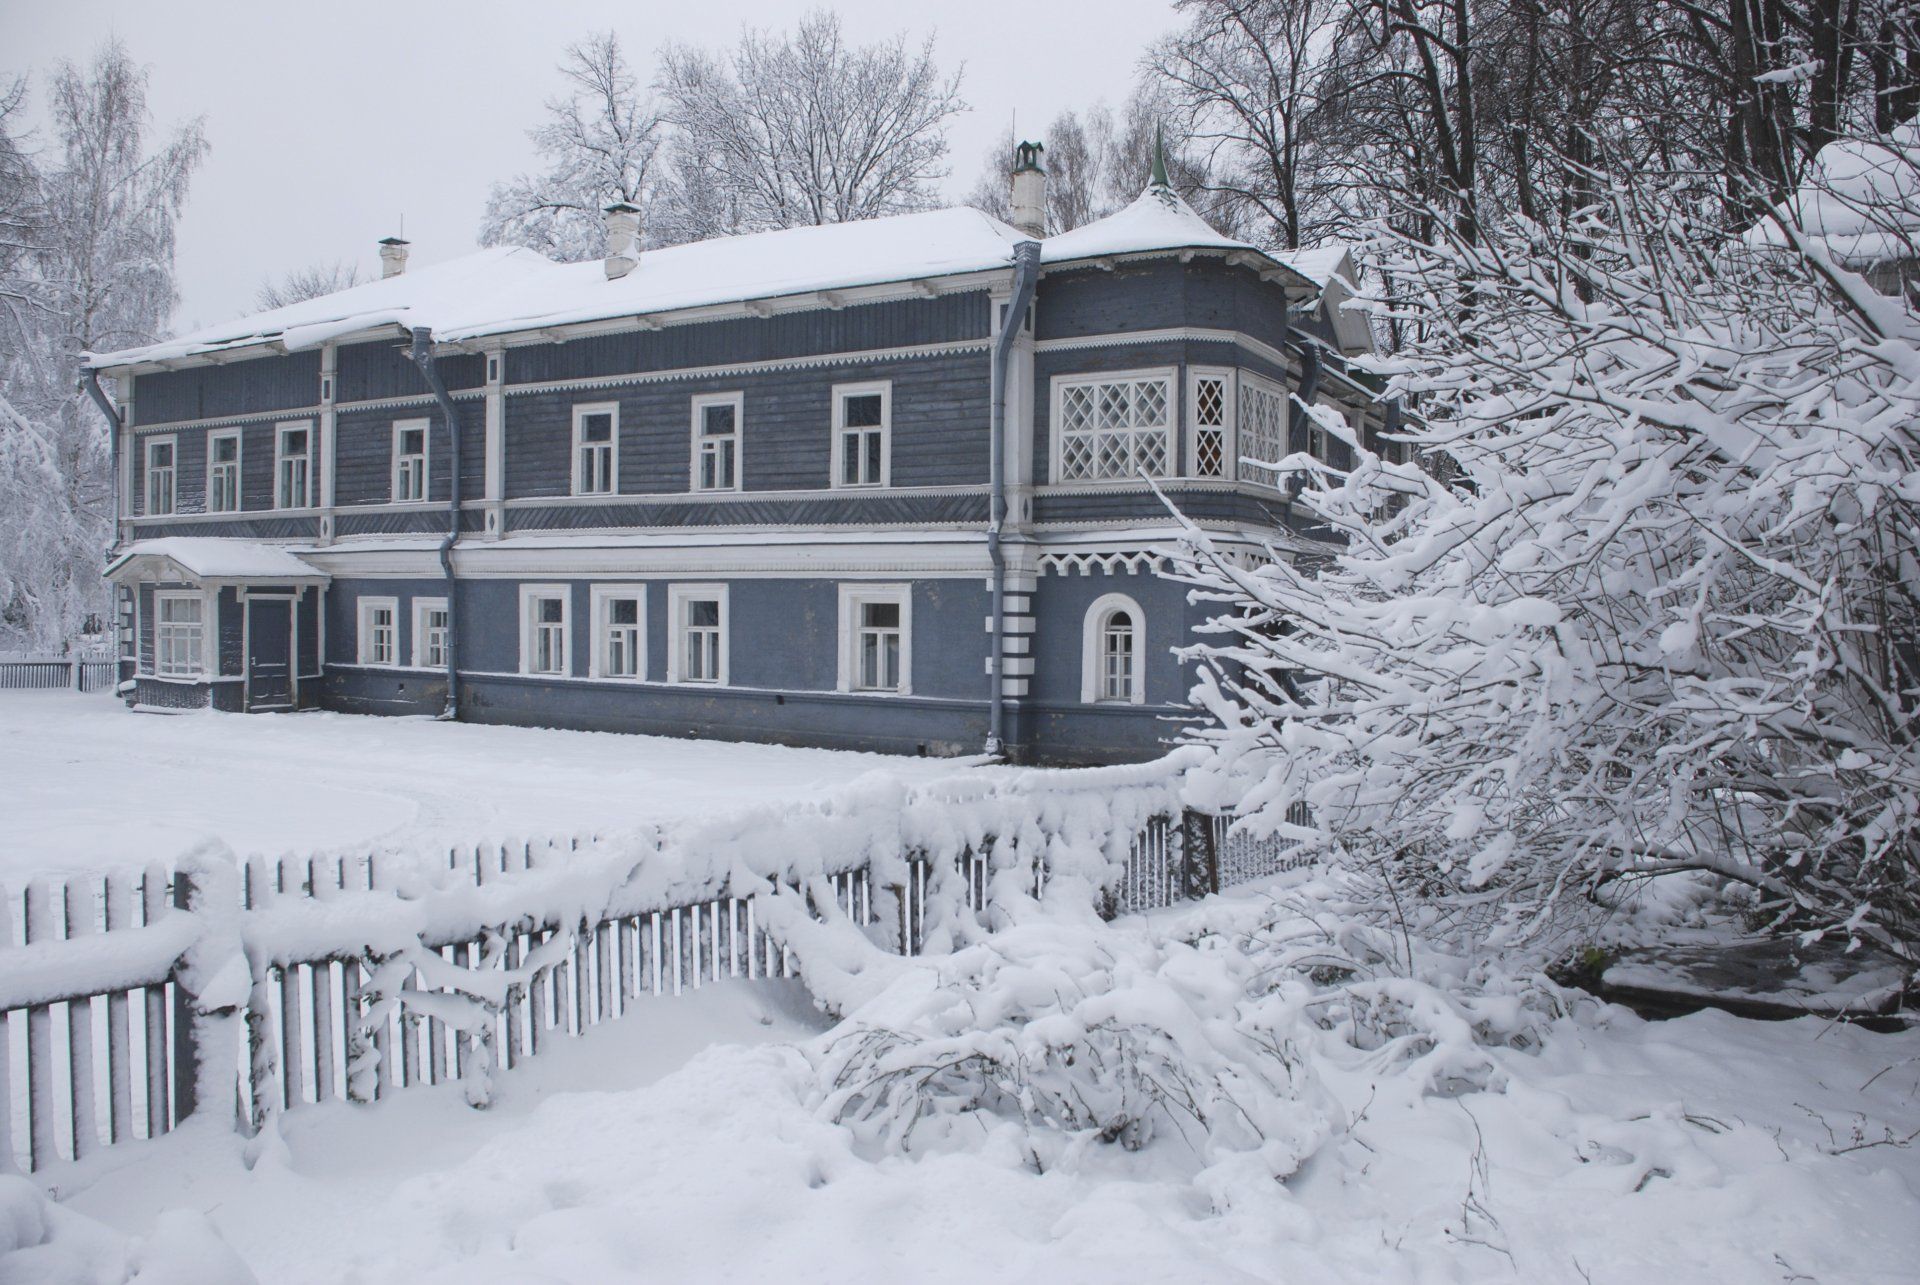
x=623, y=239
x=393, y=256
x=1029, y=203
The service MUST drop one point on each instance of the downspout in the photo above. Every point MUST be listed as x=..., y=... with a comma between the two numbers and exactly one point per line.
x=422, y=356
x=90, y=384
x=1026, y=274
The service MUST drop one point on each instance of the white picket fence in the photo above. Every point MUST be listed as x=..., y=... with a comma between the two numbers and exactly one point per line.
x=131, y=1002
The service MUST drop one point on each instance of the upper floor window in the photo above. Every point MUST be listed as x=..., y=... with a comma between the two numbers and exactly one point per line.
x=179, y=634
x=619, y=631
x=379, y=631
x=876, y=638
x=409, y=460
x=1113, y=426
x=1111, y=651
x=1264, y=407
x=596, y=448
x=160, y=475
x=1211, y=414
x=546, y=635
x=697, y=633
x=293, y=467
x=716, y=441
x=862, y=434
x=430, y=633
x=223, y=473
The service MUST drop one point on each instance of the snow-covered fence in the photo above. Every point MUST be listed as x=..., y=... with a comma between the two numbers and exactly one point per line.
x=268, y=985
x=85, y=674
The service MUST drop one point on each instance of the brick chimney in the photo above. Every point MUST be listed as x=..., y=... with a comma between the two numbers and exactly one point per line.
x=1029, y=204
x=393, y=256
x=623, y=239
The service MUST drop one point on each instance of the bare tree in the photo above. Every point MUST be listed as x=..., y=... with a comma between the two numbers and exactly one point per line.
x=310, y=282
x=1078, y=150
x=802, y=128
x=601, y=143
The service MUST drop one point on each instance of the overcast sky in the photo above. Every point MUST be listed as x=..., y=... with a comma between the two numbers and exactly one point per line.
x=331, y=121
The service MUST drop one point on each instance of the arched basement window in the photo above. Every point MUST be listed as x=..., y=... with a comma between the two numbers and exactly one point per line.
x=1114, y=644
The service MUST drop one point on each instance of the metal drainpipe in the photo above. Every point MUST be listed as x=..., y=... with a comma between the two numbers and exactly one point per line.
x=1026, y=274
x=422, y=356
x=90, y=384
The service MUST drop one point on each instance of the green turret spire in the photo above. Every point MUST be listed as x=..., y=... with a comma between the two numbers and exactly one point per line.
x=1160, y=157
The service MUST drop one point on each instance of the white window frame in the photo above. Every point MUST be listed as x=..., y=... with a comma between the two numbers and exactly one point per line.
x=602, y=596
x=1093, y=650
x=855, y=595
x=363, y=638
x=678, y=596
x=148, y=507
x=425, y=428
x=421, y=606
x=1229, y=444
x=530, y=594
x=281, y=458
x=1167, y=376
x=580, y=412
x=209, y=632
x=238, y=439
x=738, y=401
x=1261, y=473
x=841, y=392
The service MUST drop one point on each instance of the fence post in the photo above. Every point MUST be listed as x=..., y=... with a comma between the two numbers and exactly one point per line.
x=211, y=985
x=1199, y=855
x=186, y=1062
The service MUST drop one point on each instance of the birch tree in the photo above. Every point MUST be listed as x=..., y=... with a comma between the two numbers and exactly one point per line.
x=310, y=282
x=93, y=271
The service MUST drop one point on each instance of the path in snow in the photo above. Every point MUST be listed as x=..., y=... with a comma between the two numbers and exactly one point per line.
x=84, y=783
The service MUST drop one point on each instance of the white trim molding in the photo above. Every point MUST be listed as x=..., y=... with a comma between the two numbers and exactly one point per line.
x=531, y=595
x=237, y=464
x=206, y=644
x=679, y=597
x=727, y=446
x=367, y=648
x=854, y=596
x=151, y=471
x=1217, y=409
x=603, y=478
x=421, y=659
x=1093, y=636
x=409, y=479
x=603, y=596
x=1088, y=462
x=283, y=457
x=883, y=389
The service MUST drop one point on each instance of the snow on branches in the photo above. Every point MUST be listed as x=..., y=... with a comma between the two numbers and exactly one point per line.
x=1662, y=614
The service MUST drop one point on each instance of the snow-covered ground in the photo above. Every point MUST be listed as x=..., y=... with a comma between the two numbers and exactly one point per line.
x=87, y=784
x=682, y=1144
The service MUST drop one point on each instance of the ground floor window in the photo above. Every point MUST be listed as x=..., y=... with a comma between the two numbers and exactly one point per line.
x=430, y=633
x=180, y=635
x=545, y=629
x=875, y=638
x=379, y=631
x=1111, y=652
x=698, y=629
x=619, y=631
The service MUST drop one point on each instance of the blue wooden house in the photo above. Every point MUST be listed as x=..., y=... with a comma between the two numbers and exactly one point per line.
x=883, y=485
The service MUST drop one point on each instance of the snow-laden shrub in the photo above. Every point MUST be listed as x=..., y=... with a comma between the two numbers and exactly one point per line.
x=1205, y=1036
x=1638, y=593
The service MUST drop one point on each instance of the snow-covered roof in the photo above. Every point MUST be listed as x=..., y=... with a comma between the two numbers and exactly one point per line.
x=213, y=558
x=1860, y=197
x=1319, y=264
x=504, y=290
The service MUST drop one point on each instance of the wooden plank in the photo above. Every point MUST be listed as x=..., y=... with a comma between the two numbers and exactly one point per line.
x=153, y=904
x=77, y=899
x=292, y=1042
x=119, y=1025
x=350, y=973
x=8, y=1159
x=537, y=996
x=408, y=1072
x=437, y=1032
x=40, y=1147
x=516, y=999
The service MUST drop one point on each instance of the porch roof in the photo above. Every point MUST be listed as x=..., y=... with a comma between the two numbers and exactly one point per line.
x=211, y=560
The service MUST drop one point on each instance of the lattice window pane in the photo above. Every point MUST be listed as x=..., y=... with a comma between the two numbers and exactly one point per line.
x=1116, y=428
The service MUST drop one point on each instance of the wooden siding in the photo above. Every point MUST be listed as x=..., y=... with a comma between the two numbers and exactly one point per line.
x=894, y=324
x=939, y=413
x=261, y=527
x=1159, y=293
x=368, y=372
x=1131, y=504
x=282, y=382
x=851, y=508
x=363, y=453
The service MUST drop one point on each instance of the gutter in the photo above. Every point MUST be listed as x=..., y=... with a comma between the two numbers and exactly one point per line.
x=421, y=354
x=1026, y=274
x=90, y=384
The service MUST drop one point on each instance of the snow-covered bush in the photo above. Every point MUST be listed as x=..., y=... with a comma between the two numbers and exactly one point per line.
x=1645, y=602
